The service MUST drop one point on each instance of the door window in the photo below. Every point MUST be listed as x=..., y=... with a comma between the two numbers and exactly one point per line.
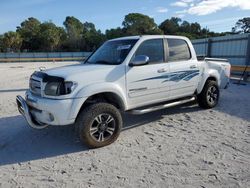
x=178, y=50
x=152, y=48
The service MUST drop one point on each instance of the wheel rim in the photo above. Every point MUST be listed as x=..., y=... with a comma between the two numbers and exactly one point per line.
x=103, y=127
x=212, y=95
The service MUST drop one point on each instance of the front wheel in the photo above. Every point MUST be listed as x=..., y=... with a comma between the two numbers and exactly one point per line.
x=99, y=125
x=209, y=96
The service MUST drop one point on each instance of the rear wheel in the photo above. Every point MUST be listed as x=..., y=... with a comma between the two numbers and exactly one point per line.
x=99, y=125
x=209, y=96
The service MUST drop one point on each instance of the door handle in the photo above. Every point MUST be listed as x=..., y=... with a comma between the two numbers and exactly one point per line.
x=193, y=67
x=162, y=70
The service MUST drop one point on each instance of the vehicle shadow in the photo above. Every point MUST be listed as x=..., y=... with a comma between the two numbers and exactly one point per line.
x=19, y=143
x=131, y=121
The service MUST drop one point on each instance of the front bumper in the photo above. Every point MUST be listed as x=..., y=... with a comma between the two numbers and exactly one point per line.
x=25, y=111
x=41, y=112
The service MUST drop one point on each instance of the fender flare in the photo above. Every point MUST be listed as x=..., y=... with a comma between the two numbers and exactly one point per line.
x=211, y=74
x=97, y=88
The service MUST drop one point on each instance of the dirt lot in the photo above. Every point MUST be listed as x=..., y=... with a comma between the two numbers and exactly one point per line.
x=184, y=146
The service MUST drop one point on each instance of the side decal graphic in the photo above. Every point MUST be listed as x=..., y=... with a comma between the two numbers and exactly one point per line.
x=175, y=76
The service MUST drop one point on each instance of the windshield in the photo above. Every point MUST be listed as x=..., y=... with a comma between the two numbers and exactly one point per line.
x=112, y=52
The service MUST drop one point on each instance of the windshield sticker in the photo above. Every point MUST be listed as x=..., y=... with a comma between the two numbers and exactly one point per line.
x=124, y=47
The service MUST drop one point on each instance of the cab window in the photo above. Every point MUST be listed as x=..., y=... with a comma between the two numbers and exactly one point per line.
x=178, y=50
x=152, y=48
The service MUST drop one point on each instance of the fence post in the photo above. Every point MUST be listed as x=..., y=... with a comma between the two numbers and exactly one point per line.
x=247, y=62
x=209, y=47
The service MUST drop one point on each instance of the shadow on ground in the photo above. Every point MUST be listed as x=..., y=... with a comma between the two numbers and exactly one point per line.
x=19, y=143
x=131, y=121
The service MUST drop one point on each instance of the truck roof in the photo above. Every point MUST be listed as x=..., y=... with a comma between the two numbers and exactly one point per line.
x=149, y=37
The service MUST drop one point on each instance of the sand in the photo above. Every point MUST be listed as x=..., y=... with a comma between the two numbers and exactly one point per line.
x=183, y=146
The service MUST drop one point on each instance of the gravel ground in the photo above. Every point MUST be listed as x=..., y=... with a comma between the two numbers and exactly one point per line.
x=184, y=146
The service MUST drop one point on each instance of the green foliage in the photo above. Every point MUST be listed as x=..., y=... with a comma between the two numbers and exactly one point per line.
x=1, y=43
x=242, y=26
x=49, y=36
x=11, y=42
x=29, y=31
x=170, y=26
x=73, y=26
x=175, y=26
x=93, y=38
x=115, y=33
x=74, y=30
x=81, y=36
x=135, y=24
x=32, y=35
x=139, y=24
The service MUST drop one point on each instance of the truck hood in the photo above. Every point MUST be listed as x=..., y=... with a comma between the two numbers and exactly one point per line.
x=85, y=73
x=70, y=70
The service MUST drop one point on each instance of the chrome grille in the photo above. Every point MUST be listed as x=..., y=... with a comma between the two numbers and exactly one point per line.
x=35, y=86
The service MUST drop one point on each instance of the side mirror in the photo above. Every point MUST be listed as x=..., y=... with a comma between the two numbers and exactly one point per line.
x=139, y=60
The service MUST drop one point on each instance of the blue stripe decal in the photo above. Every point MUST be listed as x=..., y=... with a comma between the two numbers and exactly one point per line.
x=175, y=76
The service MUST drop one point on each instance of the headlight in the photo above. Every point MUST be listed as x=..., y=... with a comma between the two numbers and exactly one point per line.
x=52, y=88
x=59, y=88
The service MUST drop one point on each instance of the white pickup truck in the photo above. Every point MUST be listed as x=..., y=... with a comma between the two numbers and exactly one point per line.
x=136, y=74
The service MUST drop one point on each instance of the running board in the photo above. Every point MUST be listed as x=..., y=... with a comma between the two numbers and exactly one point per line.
x=155, y=108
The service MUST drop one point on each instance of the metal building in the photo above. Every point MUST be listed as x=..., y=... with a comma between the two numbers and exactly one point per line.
x=235, y=48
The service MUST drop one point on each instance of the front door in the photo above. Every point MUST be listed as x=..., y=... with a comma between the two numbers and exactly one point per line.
x=146, y=84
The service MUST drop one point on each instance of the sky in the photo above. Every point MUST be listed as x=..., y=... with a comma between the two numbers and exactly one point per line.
x=216, y=15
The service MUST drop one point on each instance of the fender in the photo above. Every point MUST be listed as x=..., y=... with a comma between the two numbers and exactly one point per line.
x=205, y=75
x=93, y=89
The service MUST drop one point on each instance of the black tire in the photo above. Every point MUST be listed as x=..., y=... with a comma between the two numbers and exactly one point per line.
x=92, y=122
x=209, y=96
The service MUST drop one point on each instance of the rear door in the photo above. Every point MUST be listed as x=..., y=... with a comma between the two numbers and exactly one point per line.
x=184, y=72
x=145, y=84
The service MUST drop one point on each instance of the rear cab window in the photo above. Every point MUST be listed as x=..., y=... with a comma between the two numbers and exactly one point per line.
x=178, y=50
x=153, y=48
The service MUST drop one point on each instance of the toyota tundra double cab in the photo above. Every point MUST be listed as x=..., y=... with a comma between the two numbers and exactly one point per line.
x=137, y=75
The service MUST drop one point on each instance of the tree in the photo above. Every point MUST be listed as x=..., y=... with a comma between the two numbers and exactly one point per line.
x=114, y=33
x=170, y=26
x=195, y=28
x=175, y=26
x=93, y=38
x=185, y=27
x=29, y=31
x=33, y=35
x=242, y=26
x=63, y=38
x=139, y=24
x=11, y=41
x=1, y=43
x=49, y=36
x=74, y=30
x=73, y=26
